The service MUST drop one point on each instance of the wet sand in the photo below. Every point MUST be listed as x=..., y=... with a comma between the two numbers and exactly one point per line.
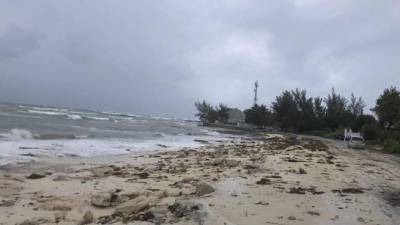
x=274, y=180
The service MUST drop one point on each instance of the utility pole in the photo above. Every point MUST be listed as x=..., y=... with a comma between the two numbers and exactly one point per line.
x=255, y=92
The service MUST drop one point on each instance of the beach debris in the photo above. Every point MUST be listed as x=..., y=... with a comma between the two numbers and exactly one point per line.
x=57, y=204
x=142, y=175
x=361, y=220
x=302, y=191
x=251, y=166
x=36, y=176
x=60, y=216
x=297, y=190
x=292, y=218
x=61, y=178
x=314, y=145
x=302, y=171
x=29, y=154
x=101, y=200
x=264, y=181
x=87, y=218
x=129, y=210
x=312, y=213
x=156, y=215
x=35, y=221
x=203, y=189
x=293, y=148
x=232, y=163
x=262, y=203
x=185, y=208
x=393, y=198
x=293, y=159
x=348, y=191
x=7, y=202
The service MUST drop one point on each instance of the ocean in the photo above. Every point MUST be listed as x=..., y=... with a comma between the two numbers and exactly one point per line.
x=29, y=131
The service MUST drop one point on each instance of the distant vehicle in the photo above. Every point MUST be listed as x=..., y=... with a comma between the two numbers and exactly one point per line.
x=356, y=142
x=339, y=137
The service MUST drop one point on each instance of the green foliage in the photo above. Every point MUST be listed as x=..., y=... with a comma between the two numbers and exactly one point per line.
x=206, y=112
x=356, y=106
x=391, y=146
x=209, y=114
x=293, y=110
x=285, y=110
x=305, y=111
x=388, y=106
x=361, y=120
x=392, y=134
x=319, y=112
x=258, y=115
x=337, y=113
x=223, y=113
x=371, y=131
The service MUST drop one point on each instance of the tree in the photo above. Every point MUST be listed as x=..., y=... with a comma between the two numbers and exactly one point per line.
x=356, y=106
x=371, y=131
x=388, y=106
x=337, y=113
x=223, y=113
x=285, y=111
x=293, y=110
x=320, y=113
x=305, y=110
x=362, y=120
x=206, y=112
x=258, y=115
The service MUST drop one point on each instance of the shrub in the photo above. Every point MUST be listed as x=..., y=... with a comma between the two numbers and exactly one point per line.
x=371, y=131
x=391, y=134
x=391, y=146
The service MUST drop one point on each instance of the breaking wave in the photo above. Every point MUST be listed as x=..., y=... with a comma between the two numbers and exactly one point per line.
x=50, y=113
x=18, y=134
x=74, y=117
x=97, y=118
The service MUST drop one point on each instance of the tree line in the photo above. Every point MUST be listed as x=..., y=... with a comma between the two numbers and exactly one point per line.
x=295, y=111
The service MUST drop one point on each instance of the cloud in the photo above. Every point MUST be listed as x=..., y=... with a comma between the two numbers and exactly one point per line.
x=158, y=57
x=17, y=41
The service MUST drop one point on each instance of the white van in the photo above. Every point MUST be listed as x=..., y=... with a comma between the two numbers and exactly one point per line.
x=356, y=142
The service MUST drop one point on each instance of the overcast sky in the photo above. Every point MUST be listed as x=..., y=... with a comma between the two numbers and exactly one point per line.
x=158, y=57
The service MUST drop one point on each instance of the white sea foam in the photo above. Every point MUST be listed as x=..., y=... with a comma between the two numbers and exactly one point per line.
x=42, y=108
x=14, y=150
x=74, y=117
x=50, y=113
x=97, y=118
x=18, y=134
x=18, y=115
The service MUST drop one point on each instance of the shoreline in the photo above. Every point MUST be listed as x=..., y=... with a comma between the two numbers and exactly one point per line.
x=279, y=180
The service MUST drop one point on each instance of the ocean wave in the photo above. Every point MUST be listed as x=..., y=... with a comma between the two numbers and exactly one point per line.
x=74, y=117
x=56, y=136
x=122, y=114
x=49, y=113
x=42, y=108
x=18, y=134
x=97, y=118
x=160, y=134
x=18, y=115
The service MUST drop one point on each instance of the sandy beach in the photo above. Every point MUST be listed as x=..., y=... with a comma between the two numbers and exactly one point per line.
x=270, y=180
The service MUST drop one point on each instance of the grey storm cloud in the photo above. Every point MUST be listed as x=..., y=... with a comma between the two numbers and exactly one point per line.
x=158, y=57
x=17, y=41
